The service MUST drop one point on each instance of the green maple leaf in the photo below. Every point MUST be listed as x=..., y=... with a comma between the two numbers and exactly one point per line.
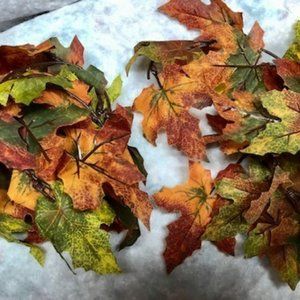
x=114, y=90
x=10, y=226
x=240, y=190
x=293, y=51
x=76, y=232
x=282, y=135
x=42, y=122
x=25, y=90
x=247, y=76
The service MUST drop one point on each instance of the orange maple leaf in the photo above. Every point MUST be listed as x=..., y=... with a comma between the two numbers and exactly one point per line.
x=104, y=165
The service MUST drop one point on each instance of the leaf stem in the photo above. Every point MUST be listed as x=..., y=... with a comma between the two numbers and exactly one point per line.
x=270, y=53
x=40, y=185
x=21, y=121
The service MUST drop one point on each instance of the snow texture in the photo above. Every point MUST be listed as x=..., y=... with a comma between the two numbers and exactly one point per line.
x=109, y=29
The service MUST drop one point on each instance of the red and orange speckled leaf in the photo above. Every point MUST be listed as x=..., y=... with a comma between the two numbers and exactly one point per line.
x=197, y=15
x=54, y=147
x=193, y=200
x=227, y=245
x=289, y=71
x=167, y=108
x=236, y=123
x=257, y=206
x=105, y=160
x=16, y=157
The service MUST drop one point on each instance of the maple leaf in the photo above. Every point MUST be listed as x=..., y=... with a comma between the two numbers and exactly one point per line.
x=12, y=222
x=103, y=158
x=21, y=190
x=168, y=52
x=167, y=109
x=114, y=90
x=13, y=152
x=18, y=57
x=240, y=188
x=37, y=124
x=261, y=208
x=9, y=112
x=25, y=90
x=125, y=220
x=247, y=76
x=193, y=200
x=290, y=72
x=197, y=15
x=293, y=51
x=78, y=233
x=283, y=135
x=72, y=54
x=238, y=122
x=276, y=236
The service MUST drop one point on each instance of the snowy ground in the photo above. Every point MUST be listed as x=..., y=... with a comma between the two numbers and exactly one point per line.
x=109, y=29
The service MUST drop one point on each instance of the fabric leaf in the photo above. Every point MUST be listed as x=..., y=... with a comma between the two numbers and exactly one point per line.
x=77, y=233
x=193, y=200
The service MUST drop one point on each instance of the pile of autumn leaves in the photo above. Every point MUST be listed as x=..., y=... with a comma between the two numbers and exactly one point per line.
x=257, y=117
x=67, y=174
x=69, y=177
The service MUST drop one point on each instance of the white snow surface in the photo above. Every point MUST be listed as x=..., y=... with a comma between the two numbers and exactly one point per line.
x=109, y=29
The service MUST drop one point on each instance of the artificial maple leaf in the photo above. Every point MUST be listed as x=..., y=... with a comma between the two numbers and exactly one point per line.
x=168, y=52
x=12, y=218
x=54, y=147
x=104, y=159
x=270, y=77
x=293, y=51
x=13, y=152
x=197, y=15
x=72, y=55
x=21, y=190
x=76, y=232
x=12, y=209
x=167, y=108
x=289, y=71
x=194, y=201
x=25, y=90
x=276, y=236
x=236, y=185
x=261, y=209
x=227, y=245
x=283, y=135
x=238, y=121
x=257, y=206
x=18, y=57
x=125, y=220
x=256, y=35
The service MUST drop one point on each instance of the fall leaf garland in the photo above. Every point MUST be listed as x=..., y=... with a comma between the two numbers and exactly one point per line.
x=68, y=176
x=257, y=116
x=67, y=173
